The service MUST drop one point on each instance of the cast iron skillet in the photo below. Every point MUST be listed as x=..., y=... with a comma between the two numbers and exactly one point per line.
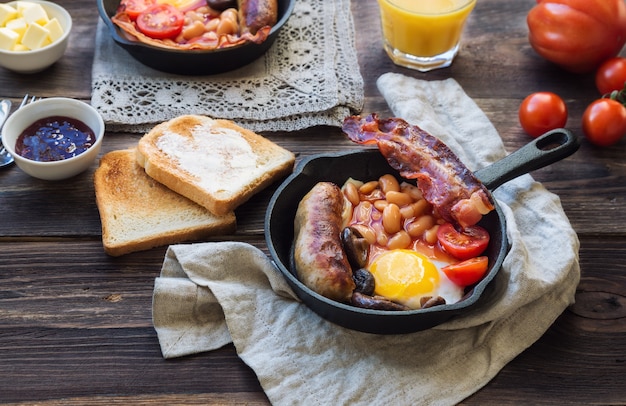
x=199, y=62
x=367, y=164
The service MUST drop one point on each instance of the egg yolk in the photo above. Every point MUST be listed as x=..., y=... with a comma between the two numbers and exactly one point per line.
x=404, y=276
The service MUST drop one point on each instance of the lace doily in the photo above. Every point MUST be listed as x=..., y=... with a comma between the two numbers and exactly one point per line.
x=310, y=76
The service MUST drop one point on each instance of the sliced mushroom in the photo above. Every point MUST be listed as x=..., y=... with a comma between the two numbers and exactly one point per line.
x=364, y=281
x=355, y=246
x=429, y=301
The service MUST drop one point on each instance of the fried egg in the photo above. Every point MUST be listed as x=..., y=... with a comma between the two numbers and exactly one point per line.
x=405, y=276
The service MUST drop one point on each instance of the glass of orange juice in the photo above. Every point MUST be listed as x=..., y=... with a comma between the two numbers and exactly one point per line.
x=423, y=34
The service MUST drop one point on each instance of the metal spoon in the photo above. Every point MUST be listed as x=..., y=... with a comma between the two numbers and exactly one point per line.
x=5, y=157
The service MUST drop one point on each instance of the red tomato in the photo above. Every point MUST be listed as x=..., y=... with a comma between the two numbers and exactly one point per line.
x=604, y=122
x=135, y=7
x=469, y=243
x=578, y=35
x=611, y=75
x=467, y=272
x=161, y=21
x=541, y=112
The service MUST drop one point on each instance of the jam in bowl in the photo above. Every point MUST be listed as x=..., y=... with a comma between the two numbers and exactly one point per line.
x=54, y=138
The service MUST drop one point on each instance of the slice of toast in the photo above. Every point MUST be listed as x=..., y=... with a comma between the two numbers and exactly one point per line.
x=215, y=163
x=137, y=213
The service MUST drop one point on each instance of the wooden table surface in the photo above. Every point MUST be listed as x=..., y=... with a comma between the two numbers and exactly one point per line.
x=75, y=324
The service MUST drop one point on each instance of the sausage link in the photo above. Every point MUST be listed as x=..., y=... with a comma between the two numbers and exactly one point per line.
x=320, y=260
x=255, y=14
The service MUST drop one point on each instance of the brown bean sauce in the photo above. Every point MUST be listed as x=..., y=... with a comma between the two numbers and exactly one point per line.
x=54, y=138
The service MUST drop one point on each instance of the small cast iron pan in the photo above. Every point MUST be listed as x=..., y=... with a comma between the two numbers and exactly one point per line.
x=369, y=164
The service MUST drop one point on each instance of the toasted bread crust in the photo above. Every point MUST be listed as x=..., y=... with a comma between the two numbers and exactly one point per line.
x=215, y=163
x=137, y=213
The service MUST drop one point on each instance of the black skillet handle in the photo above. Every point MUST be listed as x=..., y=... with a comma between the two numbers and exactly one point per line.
x=542, y=151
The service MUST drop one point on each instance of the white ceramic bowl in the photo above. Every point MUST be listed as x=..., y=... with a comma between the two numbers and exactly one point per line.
x=55, y=106
x=39, y=59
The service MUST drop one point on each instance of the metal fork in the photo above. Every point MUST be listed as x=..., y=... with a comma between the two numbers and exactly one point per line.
x=6, y=158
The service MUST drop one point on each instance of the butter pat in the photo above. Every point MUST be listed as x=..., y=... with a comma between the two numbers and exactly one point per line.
x=18, y=25
x=6, y=13
x=35, y=37
x=33, y=13
x=55, y=31
x=8, y=38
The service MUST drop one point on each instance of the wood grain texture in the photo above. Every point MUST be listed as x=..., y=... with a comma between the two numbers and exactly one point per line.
x=75, y=324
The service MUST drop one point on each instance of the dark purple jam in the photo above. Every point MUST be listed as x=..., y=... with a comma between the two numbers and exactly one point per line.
x=54, y=138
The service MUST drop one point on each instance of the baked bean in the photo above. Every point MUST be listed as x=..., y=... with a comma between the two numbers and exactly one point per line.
x=407, y=212
x=382, y=239
x=430, y=236
x=419, y=226
x=192, y=16
x=420, y=207
x=388, y=183
x=411, y=190
x=207, y=11
x=398, y=198
x=366, y=232
x=399, y=240
x=211, y=25
x=392, y=219
x=194, y=30
x=227, y=26
x=352, y=193
x=381, y=204
x=368, y=187
x=230, y=14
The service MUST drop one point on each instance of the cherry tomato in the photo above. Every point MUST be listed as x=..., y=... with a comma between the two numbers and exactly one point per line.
x=135, y=7
x=161, y=21
x=541, y=112
x=604, y=122
x=467, y=272
x=469, y=243
x=611, y=75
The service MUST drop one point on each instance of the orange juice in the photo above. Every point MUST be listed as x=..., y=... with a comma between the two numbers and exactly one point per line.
x=423, y=28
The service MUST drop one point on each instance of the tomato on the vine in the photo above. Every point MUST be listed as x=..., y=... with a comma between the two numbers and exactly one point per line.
x=161, y=21
x=541, y=112
x=611, y=75
x=468, y=272
x=604, y=122
x=470, y=242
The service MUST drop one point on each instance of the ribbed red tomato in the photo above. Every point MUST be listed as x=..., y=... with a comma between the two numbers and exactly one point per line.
x=578, y=35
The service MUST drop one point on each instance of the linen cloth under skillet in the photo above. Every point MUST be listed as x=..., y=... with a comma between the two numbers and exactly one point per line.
x=210, y=294
x=309, y=76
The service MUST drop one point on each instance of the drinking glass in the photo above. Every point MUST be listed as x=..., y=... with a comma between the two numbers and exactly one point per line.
x=423, y=34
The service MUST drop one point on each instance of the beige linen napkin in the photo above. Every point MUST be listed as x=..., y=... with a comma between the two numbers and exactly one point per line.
x=210, y=294
x=309, y=76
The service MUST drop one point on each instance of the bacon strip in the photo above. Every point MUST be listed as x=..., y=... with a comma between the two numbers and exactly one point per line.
x=453, y=190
